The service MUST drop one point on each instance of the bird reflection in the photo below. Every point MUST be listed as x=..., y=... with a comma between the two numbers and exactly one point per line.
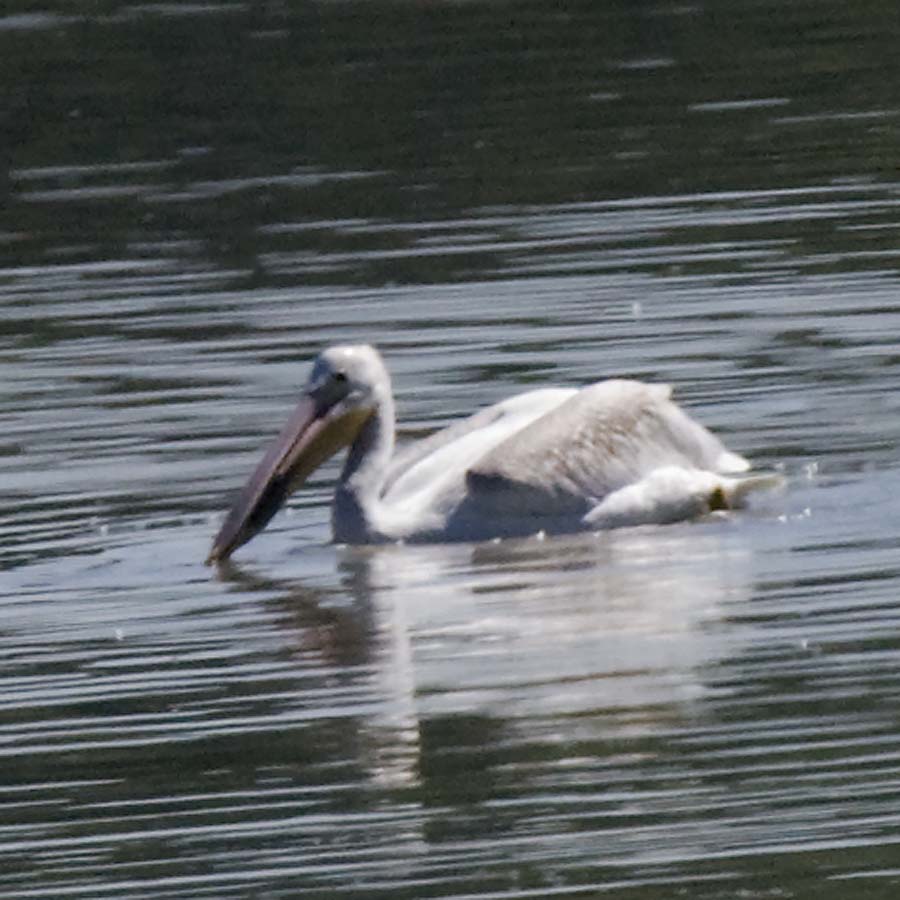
x=337, y=625
x=597, y=634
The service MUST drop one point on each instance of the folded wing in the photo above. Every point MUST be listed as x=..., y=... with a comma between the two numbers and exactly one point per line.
x=603, y=438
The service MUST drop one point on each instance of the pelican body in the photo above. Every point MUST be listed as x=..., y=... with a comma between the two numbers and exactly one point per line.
x=555, y=460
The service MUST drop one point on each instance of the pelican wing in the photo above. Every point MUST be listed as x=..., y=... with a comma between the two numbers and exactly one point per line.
x=447, y=454
x=603, y=438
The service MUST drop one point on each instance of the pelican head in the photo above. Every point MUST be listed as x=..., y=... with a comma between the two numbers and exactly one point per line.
x=347, y=388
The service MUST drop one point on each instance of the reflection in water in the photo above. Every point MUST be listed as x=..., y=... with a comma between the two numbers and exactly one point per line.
x=340, y=633
x=486, y=676
x=594, y=630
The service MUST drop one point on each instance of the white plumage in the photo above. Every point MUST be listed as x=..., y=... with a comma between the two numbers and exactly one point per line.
x=613, y=453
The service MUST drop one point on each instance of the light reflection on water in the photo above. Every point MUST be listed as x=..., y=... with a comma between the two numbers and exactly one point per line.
x=707, y=708
x=636, y=711
x=424, y=712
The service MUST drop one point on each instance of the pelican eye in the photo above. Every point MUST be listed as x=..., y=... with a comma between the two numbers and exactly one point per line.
x=340, y=377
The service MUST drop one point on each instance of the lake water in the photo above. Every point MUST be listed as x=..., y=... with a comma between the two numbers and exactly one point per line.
x=196, y=199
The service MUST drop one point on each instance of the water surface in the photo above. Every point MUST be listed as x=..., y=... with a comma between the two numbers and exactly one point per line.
x=196, y=199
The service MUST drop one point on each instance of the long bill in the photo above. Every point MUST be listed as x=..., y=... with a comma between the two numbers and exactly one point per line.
x=311, y=435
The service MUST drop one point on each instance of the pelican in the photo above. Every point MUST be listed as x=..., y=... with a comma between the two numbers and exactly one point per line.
x=553, y=460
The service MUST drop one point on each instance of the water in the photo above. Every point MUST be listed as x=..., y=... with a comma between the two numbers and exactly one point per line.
x=196, y=199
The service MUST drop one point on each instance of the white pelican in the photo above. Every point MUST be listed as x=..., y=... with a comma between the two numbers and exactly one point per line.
x=554, y=460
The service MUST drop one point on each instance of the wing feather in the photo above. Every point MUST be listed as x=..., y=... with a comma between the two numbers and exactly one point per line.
x=606, y=436
x=446, y=455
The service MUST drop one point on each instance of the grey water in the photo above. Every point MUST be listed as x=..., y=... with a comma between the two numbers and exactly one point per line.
x=196, y=198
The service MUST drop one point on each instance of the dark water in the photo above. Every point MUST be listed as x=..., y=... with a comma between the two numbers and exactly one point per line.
x=197, y=198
